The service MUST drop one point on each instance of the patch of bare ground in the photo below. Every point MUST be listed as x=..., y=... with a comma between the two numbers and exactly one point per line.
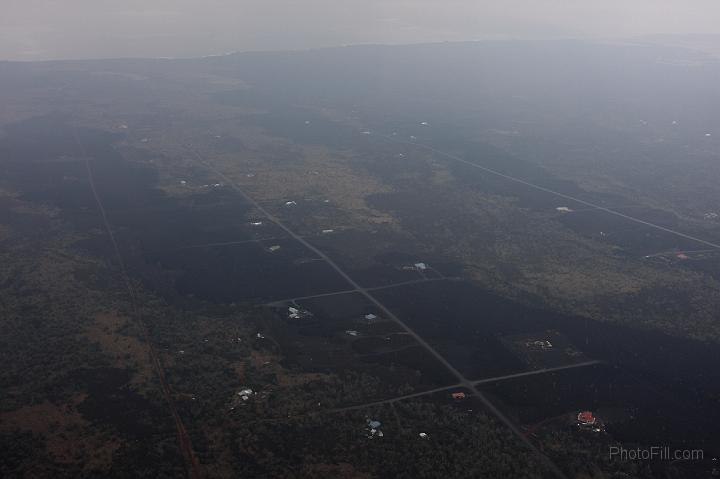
x=284, y=377
x=125, y=352
x=69, y=438
x=314, y=171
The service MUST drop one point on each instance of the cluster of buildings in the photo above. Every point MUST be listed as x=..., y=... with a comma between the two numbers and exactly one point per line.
x=244, y=395
x=373, y=427
x=297, y=313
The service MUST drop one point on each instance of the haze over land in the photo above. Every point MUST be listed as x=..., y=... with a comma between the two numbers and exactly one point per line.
x=48, y=29
x=494, y=258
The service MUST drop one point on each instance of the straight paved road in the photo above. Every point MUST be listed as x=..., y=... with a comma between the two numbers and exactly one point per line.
x=388, y=314
x=538, y=371
x=553, y=192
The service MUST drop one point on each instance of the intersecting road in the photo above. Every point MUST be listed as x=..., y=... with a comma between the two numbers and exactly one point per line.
x=387, y=313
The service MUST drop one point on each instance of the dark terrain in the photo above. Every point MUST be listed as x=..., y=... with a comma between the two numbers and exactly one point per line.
x=158, y=218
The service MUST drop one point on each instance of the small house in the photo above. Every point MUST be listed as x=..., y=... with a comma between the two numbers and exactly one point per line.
x=586, y=418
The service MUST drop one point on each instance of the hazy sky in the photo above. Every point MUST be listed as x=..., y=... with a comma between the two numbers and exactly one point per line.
x=42, y=29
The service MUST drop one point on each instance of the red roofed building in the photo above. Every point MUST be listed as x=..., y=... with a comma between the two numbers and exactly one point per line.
x=586, y=418
x=459, y=395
